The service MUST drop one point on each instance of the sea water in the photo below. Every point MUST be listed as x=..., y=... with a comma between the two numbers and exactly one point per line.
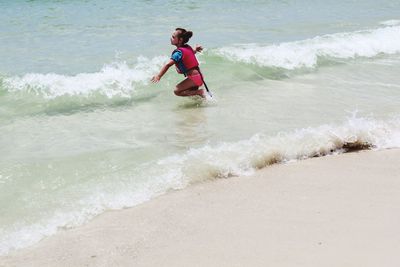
x=83, y=130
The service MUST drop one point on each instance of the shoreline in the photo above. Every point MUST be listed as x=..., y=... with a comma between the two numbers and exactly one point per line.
x=337, y=210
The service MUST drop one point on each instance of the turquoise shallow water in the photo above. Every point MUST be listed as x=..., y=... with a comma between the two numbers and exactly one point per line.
x=83, y=131
x=80, y=36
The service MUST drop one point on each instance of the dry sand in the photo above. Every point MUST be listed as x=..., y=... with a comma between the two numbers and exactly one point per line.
x=332, y=211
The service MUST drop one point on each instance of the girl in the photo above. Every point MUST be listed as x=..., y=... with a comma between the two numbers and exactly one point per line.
x=186, y=63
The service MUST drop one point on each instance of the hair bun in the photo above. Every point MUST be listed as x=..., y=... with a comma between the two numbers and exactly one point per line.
x=189, y=34
x=184, y=34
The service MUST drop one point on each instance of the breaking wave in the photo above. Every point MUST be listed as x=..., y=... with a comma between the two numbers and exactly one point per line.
x=307, y=53
x=117, y=79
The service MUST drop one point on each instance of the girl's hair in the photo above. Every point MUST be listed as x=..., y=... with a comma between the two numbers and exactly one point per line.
x=184, y=34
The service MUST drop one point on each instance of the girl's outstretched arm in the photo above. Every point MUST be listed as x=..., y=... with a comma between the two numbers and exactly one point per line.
x=164, y=69
x=198, y=48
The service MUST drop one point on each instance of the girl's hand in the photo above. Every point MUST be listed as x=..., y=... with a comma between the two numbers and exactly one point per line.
x=198, y=48
x=155, y=79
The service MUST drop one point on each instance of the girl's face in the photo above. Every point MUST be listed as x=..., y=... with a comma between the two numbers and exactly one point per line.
x=174, y=38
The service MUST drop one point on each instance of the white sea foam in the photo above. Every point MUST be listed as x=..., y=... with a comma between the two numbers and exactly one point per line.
x=117, y=79
x=392, y=22
x=208, y=162
x=305, y=53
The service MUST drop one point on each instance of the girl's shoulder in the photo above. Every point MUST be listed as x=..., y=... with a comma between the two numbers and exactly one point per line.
x=176, y=55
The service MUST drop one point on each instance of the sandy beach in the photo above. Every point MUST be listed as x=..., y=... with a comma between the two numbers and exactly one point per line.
x=340, y=210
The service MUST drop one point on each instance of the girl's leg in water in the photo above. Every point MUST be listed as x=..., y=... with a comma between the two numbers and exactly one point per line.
x=188, y=88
